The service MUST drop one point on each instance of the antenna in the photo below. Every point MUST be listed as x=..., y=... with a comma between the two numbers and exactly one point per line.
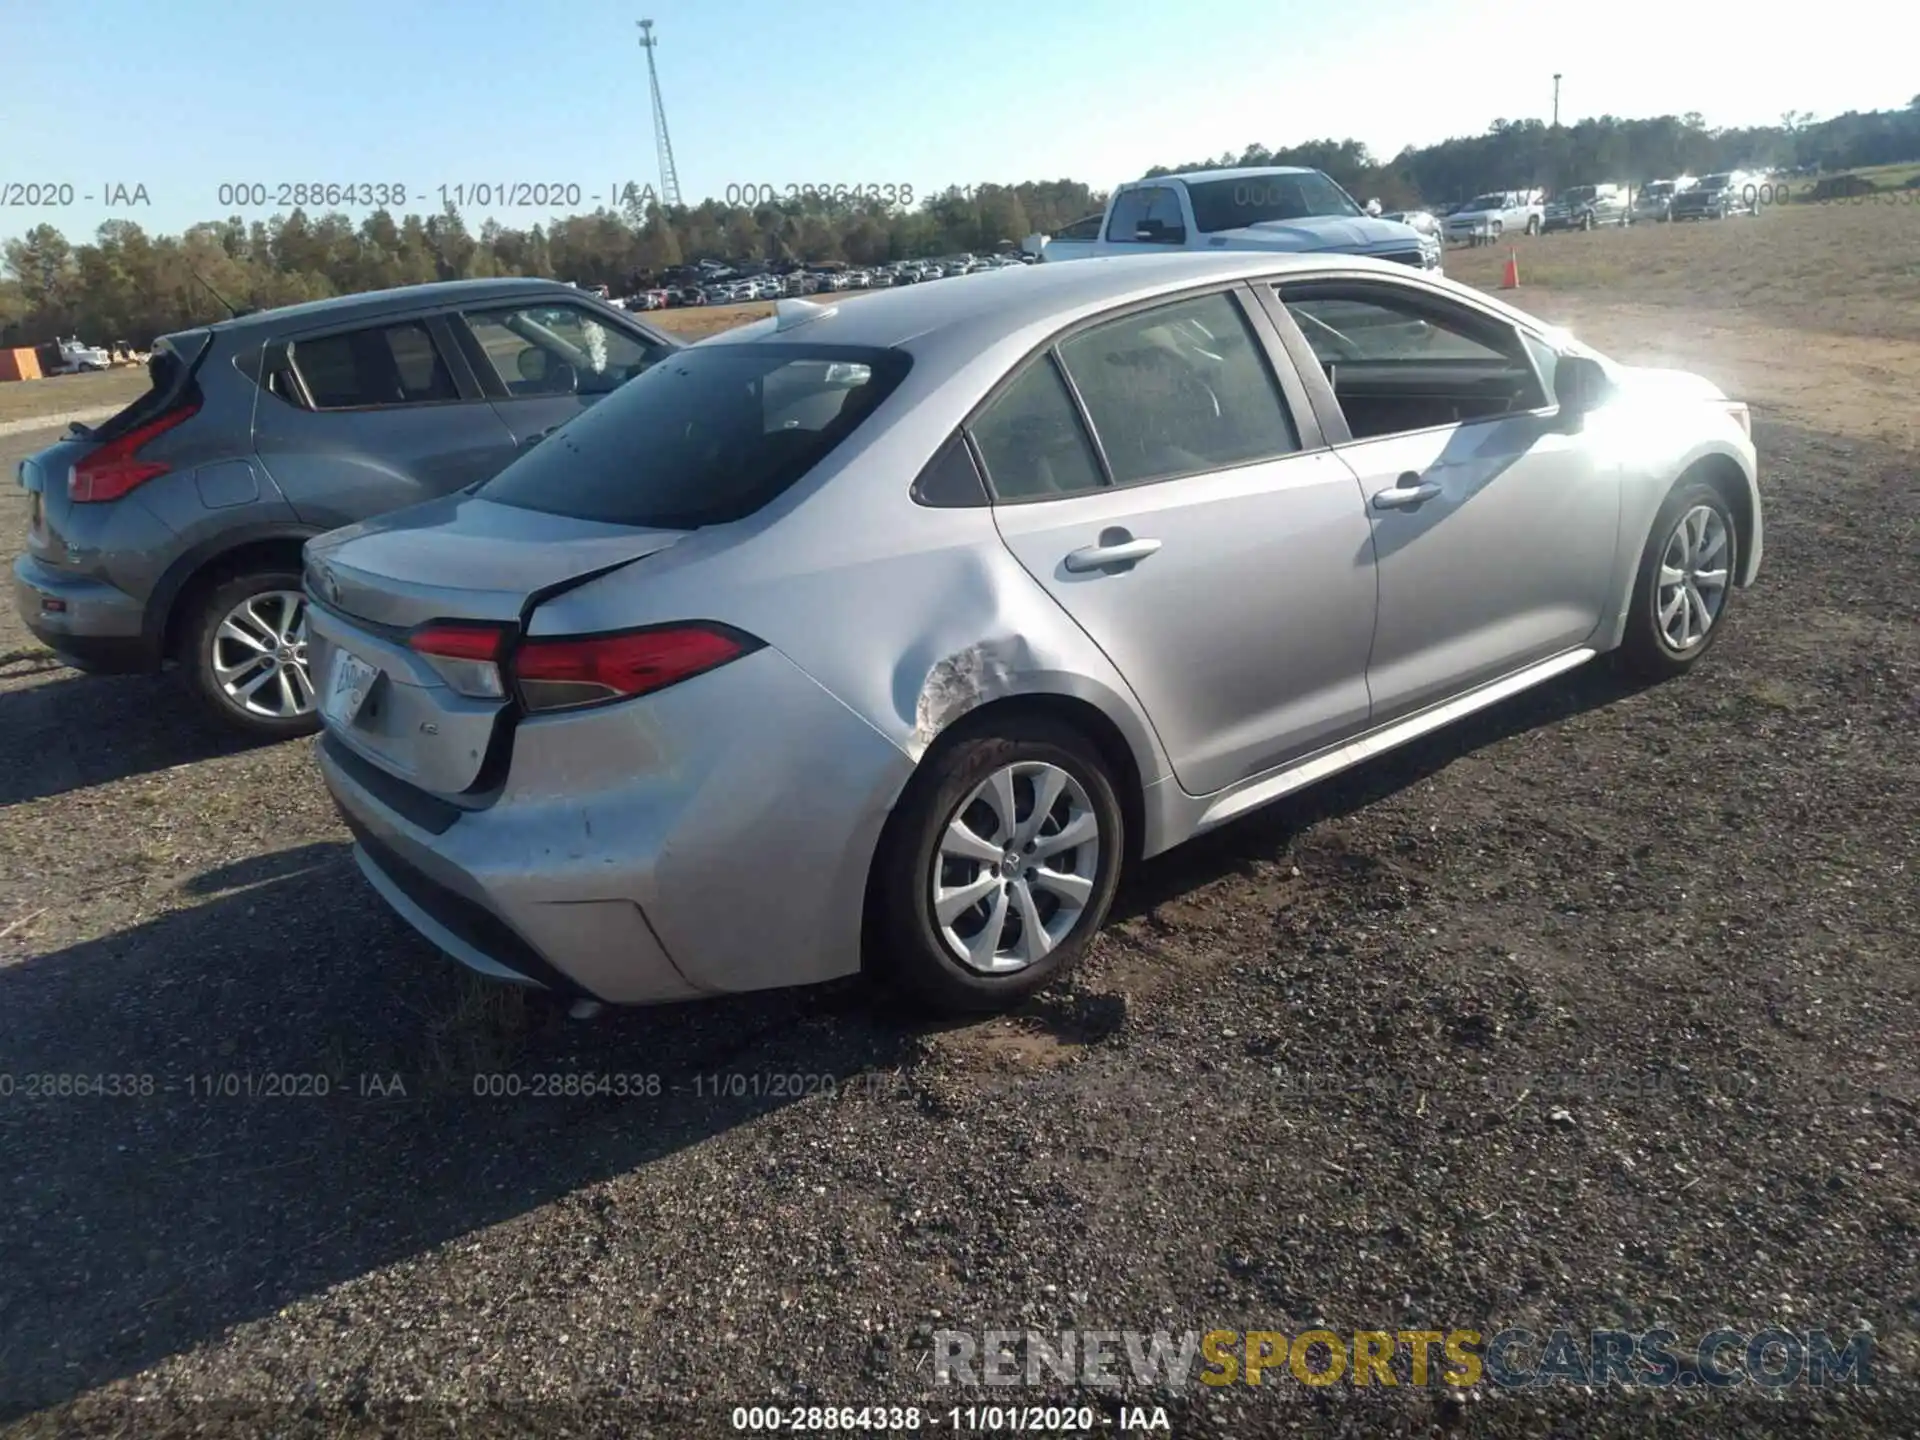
x=669, y=181
x=236, y=314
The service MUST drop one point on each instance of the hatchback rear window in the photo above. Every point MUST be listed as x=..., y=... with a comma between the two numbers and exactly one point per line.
x=170, y=369
x=708, y=435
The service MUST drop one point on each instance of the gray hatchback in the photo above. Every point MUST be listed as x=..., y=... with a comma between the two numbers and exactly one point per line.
x=172, y=532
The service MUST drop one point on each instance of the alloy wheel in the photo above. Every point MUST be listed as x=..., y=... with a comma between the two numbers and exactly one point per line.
x=1691, y=587
x=1015, y=867
x=260, y=656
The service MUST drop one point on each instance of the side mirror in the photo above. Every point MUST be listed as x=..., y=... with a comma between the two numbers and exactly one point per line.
x=1580, y=385
x=1373, y=207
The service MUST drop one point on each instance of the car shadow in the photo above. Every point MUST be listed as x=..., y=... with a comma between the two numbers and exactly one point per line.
x=281, y=1088
x=1267, y=831
x=70, y=730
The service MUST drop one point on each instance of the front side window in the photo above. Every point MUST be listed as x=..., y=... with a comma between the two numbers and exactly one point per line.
x=1179, y=389
x=709, y=435
x=558, y=349
x=1400, y=362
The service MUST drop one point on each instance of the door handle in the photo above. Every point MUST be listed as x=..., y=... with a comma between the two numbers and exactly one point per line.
x=1409, y=490
x=1102, y=557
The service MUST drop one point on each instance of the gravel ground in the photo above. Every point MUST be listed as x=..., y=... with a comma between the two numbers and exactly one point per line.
x=1599, y=1010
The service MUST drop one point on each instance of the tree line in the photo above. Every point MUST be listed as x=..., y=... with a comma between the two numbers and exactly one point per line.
x=127, y=285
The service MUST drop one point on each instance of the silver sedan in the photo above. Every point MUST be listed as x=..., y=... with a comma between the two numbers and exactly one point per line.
x=885, y=634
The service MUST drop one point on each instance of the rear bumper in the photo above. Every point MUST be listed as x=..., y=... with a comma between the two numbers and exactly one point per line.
x=86, y=622
x=710, y=839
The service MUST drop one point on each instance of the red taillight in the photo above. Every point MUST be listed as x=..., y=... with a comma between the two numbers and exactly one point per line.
x=114, y=469
x=578, y=670
x=459, y=642
x=466, y=655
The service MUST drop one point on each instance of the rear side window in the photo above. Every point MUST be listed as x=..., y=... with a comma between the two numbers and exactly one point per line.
x=1179, y=389
x=708, y=435
x=383, y=365
x=1150, y=215
x=1032, y=441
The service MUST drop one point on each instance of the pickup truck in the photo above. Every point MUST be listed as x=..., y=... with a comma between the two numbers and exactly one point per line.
x=1585, y=206
x=1485, y=218
x=1267, y=208
x=70, y=357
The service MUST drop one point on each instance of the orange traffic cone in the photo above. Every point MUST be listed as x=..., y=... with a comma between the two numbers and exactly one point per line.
x=1510, y=278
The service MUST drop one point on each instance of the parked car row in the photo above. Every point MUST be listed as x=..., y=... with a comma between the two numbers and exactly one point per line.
x=1487, y=218
x=877, y=635
x=735, y=289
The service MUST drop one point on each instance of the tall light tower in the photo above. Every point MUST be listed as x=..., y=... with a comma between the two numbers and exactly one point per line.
x=669, y=181
x=1556, y=96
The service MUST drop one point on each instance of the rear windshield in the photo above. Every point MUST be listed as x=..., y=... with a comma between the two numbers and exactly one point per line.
x=706, y=436
x=1716, y=182
x=1579, y=193
x=1657, y=187
x=1230, y=204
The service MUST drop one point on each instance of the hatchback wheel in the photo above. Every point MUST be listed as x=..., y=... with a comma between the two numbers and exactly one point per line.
x=248, y=660
x=1000, y=867
x=1685, y=581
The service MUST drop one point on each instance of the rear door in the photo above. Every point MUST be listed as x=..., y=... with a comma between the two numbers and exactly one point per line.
x=1494, y=531
x=1161, y=476
x=541, y=362
x=355, y=421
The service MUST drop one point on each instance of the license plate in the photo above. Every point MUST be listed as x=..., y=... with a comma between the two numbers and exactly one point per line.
x=347, y=687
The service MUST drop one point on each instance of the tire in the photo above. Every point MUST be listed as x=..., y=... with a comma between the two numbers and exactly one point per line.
x=257, y=602
x=911, y=948
x=1650, y=649
x=1498, y=230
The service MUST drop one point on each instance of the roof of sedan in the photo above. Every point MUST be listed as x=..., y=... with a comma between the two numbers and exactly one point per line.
x=1008, y=300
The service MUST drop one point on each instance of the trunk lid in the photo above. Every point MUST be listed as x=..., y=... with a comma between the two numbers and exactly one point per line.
x=463, y=558
x=456, y=559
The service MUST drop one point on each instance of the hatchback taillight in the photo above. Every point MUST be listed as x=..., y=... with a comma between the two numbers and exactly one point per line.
x=564, y=673
x=114, y=468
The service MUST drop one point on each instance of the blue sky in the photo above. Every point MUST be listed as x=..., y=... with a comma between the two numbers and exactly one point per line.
x=184, y=95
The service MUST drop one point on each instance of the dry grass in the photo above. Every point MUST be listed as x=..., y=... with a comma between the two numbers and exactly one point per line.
x=1840, y=269
x=57, y=394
